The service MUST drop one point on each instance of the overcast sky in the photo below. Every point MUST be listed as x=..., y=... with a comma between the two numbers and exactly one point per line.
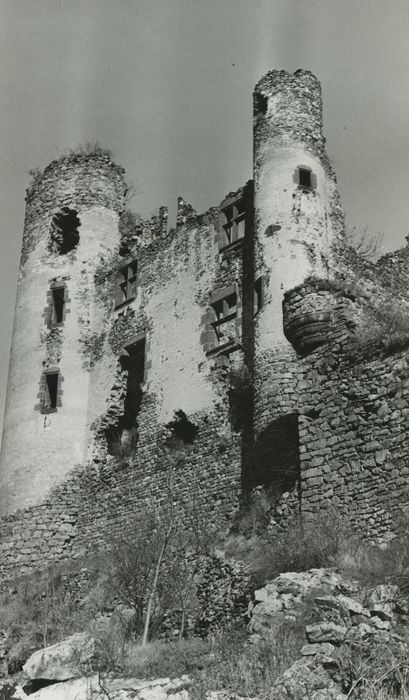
x=167, y=84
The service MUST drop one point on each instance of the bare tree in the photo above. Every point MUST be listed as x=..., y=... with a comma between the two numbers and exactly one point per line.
x=159, y=562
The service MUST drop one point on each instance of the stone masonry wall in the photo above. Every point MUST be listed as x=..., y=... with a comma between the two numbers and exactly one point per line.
x=177, y=277
x=310, y=337
x=351, y=397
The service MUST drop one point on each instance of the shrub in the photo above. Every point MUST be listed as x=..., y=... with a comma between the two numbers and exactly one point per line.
x=226, y=660
x=249, y=668
x=303, y=545
x=41, y=609
x=372, y=564
x=377, y=670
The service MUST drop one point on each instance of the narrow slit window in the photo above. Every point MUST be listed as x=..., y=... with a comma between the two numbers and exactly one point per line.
x=51, y=380
x=58, y=301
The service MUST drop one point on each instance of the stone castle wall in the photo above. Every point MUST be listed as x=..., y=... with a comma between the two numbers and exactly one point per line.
x=179, y=276
x=247, y=347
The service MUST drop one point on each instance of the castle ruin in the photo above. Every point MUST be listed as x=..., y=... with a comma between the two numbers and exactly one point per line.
x=252, y=332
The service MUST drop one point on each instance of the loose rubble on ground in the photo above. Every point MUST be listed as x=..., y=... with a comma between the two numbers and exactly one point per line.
x=345, y=614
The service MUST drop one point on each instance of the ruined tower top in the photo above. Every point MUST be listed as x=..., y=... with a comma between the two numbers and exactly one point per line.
x=288, y=107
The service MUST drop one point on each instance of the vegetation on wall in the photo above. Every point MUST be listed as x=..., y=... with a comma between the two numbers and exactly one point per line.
x=85, y=150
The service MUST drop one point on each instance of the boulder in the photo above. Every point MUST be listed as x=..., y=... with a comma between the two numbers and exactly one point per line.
x=352, y=606
x=321, y=648
x=62, y=661
x=100, y=688
x=326, y=632
x=284, y=594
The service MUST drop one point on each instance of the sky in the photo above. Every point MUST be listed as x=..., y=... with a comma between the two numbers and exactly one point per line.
x=167, y=85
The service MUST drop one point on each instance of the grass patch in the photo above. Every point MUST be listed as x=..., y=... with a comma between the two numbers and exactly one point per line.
x=303, y=545
x=379, y=670
x=227, y=660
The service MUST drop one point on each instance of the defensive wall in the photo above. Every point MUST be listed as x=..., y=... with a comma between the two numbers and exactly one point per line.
x=248, y=346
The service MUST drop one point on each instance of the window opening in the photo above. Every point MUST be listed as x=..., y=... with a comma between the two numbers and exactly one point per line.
x=126, y=283
x=51, y=379
x=235, y=222
x=182, y=428
x=64, y=231
x=304, y=177
x=225, y=323
x=58, y=301
x=260, y=104
x=124, y=436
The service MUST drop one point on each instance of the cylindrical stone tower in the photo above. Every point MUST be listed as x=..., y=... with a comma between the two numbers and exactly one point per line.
x=298, y=221
x=71, y=221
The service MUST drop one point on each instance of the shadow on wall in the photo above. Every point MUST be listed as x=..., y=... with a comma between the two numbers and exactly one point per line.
x=277, y=456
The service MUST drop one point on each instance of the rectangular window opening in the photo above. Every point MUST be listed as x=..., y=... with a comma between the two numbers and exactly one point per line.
x=304, y=177
x=52, y=389
x=234, y=223
x=225, y=324
x=126, y=283
x=58, y=297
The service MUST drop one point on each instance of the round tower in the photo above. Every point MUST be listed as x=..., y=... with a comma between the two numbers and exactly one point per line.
x=298, y=222
x=72, y=214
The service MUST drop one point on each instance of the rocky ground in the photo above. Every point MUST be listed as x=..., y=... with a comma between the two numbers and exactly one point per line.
x=343, y=621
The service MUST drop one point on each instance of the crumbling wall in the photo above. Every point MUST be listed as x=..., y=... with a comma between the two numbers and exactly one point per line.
x=284, y=353
x=177, y=275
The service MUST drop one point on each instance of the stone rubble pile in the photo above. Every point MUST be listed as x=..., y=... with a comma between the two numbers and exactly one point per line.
x=346, y=616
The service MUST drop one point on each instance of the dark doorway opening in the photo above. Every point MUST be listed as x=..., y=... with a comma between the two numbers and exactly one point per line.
x=277, y=456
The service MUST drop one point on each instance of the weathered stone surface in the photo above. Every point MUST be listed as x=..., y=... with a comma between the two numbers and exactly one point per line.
x=62, y=661
x=285, y=593
x=382, y=594
x=359, y=632
x=305, y=680
x=326, y=632
x=352, y=606
x=100, y=687
x=319, y=648
x=380, y=623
